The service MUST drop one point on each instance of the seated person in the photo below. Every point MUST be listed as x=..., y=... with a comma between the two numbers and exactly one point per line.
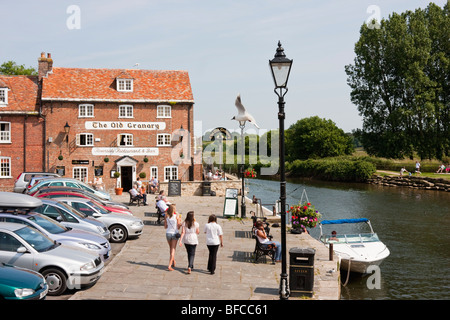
x=163, y=197
x=138, y=193
x=441, y=169
x=162, y=207
x=333, y=236
x=260, y=233
x=153, y=185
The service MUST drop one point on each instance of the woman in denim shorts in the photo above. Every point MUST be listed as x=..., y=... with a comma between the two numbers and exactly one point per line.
x=172, y=223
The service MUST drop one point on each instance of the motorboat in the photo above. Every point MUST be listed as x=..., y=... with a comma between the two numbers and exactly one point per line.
x=356, y=252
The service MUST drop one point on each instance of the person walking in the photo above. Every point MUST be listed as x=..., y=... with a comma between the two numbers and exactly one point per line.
x=189, y=236
x=214, y=238
x=172, y=223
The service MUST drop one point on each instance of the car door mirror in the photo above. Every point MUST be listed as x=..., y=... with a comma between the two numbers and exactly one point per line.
x=22, y=249
x=59, y=218
x=96, y=215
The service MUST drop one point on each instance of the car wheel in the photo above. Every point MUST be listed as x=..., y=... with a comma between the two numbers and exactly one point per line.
x=56, y=280
x=118, y=233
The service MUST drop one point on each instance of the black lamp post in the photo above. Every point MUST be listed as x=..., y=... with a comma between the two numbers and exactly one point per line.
x=243, y=206
x=281, y=67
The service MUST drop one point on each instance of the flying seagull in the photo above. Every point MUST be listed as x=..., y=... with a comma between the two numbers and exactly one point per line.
x=242, y=114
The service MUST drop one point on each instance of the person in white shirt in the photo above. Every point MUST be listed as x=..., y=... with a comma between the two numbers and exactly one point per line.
x=189, y=236
x=137, y=193
x=214, y=238
x=172, y=223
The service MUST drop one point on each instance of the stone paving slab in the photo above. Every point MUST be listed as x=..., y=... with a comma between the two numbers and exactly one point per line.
x=139, y=271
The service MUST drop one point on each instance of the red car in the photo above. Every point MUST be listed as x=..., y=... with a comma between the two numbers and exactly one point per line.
x=66, y=194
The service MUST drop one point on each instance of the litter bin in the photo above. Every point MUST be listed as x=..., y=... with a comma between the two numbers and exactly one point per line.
x=301, y=271
x=206, y=188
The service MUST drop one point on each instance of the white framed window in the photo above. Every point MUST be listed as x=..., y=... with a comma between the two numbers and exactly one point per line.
x=3, y=97
x=5, y=167
x=125, y=139
x=154, y=172
x=164, y=111
x=5, y=132
x=170, y=173
x=125, y=111
x=85, y=139
x=163, y=139
x=125, y=85
x=80, y=173
x=86, y=111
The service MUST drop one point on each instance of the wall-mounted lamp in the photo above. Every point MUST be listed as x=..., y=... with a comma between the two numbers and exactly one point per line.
x=66, y=130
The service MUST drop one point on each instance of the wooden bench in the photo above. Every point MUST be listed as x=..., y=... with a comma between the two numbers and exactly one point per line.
x=264, y=250
x=260, y=249
x=136, y=199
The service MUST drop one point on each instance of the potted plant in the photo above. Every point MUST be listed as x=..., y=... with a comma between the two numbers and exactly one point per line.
x=304, y=215
x=250, y=173
x=117, y=189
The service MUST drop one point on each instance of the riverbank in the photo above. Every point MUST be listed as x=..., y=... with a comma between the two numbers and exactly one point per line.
x=392, y=179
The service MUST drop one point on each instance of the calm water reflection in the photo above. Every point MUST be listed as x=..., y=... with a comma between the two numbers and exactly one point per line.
x=414, y=224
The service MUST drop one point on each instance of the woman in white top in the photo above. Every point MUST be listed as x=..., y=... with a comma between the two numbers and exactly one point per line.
x=214, y=238
x=260, y=233
x=172, y=223
x=189, y=236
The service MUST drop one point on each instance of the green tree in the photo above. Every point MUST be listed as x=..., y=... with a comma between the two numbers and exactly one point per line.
x=11, y=68
x=400, y=84
x=316, y=138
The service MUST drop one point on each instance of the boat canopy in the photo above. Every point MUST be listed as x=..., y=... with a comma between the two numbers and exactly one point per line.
x=340, y=221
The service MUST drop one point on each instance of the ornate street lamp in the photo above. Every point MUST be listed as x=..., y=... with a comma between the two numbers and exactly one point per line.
x=66, y=130
x=243, y=206
x=281, y=68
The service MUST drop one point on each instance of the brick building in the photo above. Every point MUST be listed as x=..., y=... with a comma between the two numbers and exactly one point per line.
x=95, y=122
x=21, y=128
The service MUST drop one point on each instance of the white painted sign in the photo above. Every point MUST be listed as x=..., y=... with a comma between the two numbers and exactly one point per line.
x=115, y=151
x=124, y=125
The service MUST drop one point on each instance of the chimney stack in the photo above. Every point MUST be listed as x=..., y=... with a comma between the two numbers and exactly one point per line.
x=44, y=65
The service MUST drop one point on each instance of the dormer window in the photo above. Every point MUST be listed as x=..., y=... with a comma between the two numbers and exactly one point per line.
x=3, y=97
x=125, y=85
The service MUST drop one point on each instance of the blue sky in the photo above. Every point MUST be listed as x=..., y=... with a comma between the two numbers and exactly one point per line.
x=225, y=45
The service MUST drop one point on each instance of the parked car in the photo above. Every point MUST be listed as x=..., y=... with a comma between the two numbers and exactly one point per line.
x=24, y=178
x=79, y=193
x=57, y=232
x=62, y=266
x=68, y=182
x=121, y=226
x=69, y=217
x=21, y=284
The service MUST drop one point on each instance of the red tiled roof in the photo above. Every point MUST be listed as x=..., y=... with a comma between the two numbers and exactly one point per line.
x=22, y=93
x=74, y=84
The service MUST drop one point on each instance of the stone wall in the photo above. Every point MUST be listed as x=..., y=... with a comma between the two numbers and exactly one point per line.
x=194, y=188
x=412, y=182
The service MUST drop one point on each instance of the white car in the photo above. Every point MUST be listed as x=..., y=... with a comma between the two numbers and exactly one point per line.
x=121, y=226
x=62, y=266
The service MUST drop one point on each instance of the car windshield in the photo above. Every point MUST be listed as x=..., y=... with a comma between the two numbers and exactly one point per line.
x=36, y=239
x=48, y=224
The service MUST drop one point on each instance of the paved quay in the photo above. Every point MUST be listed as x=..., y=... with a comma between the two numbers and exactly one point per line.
x=139, y=271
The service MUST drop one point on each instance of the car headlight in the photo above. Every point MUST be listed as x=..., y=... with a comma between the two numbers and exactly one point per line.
x=20, y=293
x=136, y=223
x=90, y=246
x=88, y=266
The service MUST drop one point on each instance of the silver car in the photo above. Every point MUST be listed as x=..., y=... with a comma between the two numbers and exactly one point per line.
x=121, y=226
x=62, y=266
x=61, y=234
x=24, y=178
x=69, y=217
x=68, y=182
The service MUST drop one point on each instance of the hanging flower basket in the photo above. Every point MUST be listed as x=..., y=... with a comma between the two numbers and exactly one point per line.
x=145, y=159
x=60, y=157
x=304, y=215
x=106, y=159
x=250, y=173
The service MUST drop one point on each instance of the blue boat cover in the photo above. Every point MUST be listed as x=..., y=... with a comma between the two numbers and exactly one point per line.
x=339, y=221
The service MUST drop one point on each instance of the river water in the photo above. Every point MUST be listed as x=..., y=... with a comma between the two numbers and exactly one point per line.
x=414, y=224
